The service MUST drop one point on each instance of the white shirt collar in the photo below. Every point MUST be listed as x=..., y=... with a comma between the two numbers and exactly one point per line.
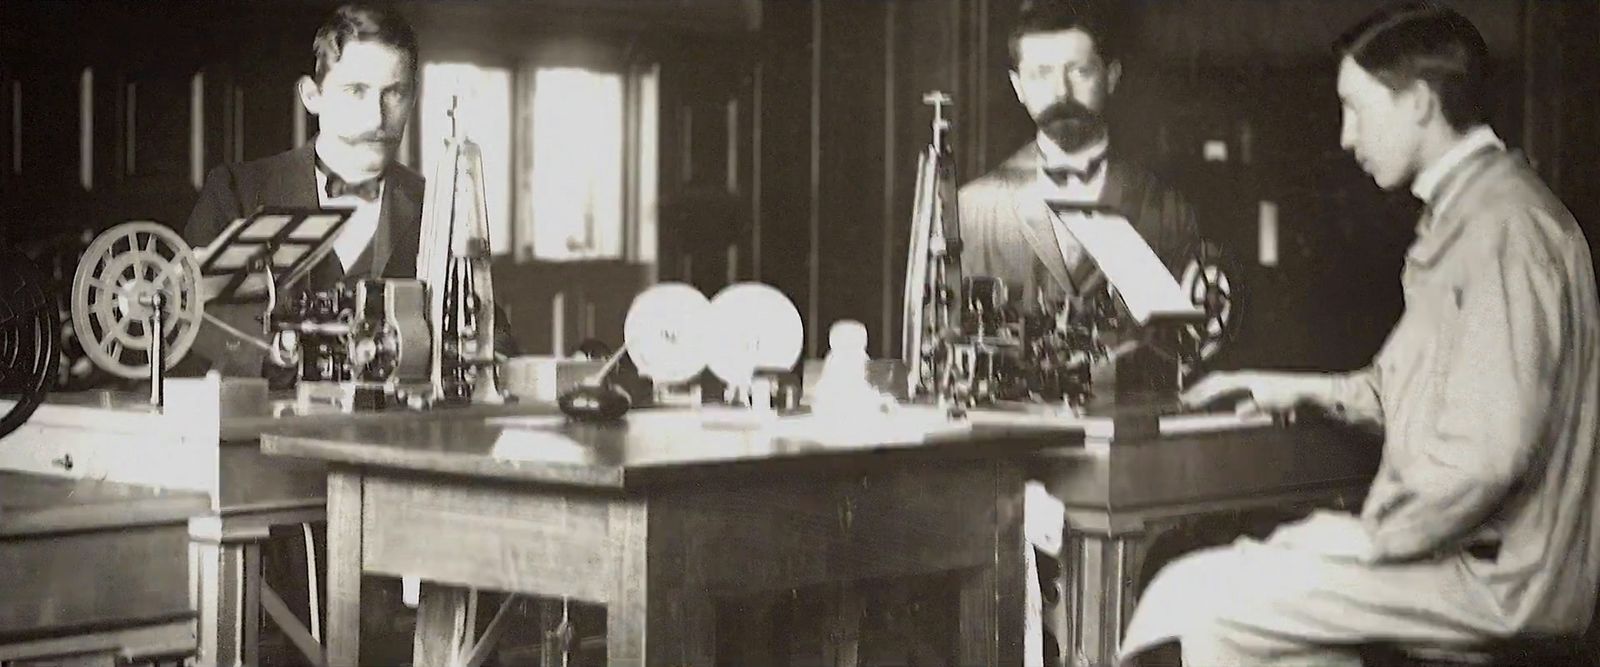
x=1054, y=157
x=1426, y=185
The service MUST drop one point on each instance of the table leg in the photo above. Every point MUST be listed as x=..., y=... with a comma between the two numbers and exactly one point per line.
x=226, y=576
x=1097, y=581
x=843, y=646
x=993, y=597
x=343, y=640
x=550, y=644
x=444, y=626
x=657, y=617
x=251, y=628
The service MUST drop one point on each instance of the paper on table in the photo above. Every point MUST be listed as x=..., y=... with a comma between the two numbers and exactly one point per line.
x=1128, y=264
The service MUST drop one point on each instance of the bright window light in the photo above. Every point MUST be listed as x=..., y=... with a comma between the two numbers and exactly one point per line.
x=483, y=98
x=576, y=182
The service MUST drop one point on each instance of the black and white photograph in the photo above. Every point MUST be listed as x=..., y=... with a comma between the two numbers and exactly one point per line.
x=799, y=333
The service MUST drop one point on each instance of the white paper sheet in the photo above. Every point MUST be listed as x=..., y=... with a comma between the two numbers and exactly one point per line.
x=1129, y=263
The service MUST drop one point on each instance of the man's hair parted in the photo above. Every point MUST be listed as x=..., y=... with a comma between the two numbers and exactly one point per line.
x=1093, y=17
x=361, y=22
x=1408, y=42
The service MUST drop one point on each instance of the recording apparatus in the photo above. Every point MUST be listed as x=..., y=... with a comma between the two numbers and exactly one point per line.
x=1087, y=352
x=370, y=333
x=426, y=340
x=1131, y=338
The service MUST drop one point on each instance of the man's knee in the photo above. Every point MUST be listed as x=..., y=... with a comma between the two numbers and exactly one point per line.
x=1188, y=576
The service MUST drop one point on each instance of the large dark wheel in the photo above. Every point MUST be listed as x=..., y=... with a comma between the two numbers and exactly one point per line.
x=1211, y=281
x=29, y=334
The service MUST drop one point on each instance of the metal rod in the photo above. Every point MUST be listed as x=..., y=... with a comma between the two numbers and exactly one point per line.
x=158, y=356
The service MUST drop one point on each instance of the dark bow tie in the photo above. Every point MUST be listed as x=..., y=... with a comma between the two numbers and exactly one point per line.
x=337, y=187
x=367, y=190
x=1065, y=175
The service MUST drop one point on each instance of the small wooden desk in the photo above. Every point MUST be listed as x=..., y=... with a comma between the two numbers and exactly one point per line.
x=658, y=518
x=94, y=570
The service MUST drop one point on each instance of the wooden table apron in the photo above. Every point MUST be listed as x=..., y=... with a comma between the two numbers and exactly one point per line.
x=659, y=542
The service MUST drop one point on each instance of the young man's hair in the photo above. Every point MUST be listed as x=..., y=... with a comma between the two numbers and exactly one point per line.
x=1047, y=16
x=1402, y=44
x=361, y=22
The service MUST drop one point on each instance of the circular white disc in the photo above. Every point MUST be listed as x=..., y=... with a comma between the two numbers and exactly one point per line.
x=754, y=327
x=665, y=331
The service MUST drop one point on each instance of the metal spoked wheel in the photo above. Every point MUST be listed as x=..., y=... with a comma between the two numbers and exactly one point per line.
x=118, y=280
x=1208, y=282
x=29, y=331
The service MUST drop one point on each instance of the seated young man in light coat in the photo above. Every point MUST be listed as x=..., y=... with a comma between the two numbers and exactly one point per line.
x=1484, y=518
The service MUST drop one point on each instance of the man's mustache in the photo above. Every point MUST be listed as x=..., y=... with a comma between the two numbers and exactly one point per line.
x=1070, y=124
x=1067, y=110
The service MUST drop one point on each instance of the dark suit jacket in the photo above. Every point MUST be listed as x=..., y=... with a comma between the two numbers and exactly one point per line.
x=233, y=191
x=1008, y=233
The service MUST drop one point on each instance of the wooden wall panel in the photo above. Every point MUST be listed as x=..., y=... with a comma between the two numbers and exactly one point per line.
x=1562, y=47
x=851, y=158
x=787, y=145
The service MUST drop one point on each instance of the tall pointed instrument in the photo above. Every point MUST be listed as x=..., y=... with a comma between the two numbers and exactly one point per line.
x=453, y=260
x=932, y=314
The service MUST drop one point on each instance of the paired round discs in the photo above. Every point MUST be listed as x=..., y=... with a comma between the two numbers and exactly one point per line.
x=673, y=332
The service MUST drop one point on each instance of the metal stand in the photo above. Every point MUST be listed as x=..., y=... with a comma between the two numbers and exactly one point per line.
x=157, y=303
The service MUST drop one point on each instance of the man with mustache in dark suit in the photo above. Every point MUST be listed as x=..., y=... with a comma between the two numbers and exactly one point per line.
x=1064, y=69
x=362, y=90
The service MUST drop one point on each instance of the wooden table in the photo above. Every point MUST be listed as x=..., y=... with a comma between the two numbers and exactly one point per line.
x=206, y=441
x=658, y=518
x=96, y=572
x=1127, y=499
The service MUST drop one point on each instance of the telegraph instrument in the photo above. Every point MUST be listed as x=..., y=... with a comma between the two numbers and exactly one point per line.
x=966, y=341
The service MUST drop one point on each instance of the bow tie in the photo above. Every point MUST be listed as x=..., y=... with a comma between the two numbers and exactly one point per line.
x=1063, y=175
x=367, y=190
x=337, y=187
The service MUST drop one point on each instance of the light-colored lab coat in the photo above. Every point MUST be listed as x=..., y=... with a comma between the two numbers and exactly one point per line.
x=1488, y=393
